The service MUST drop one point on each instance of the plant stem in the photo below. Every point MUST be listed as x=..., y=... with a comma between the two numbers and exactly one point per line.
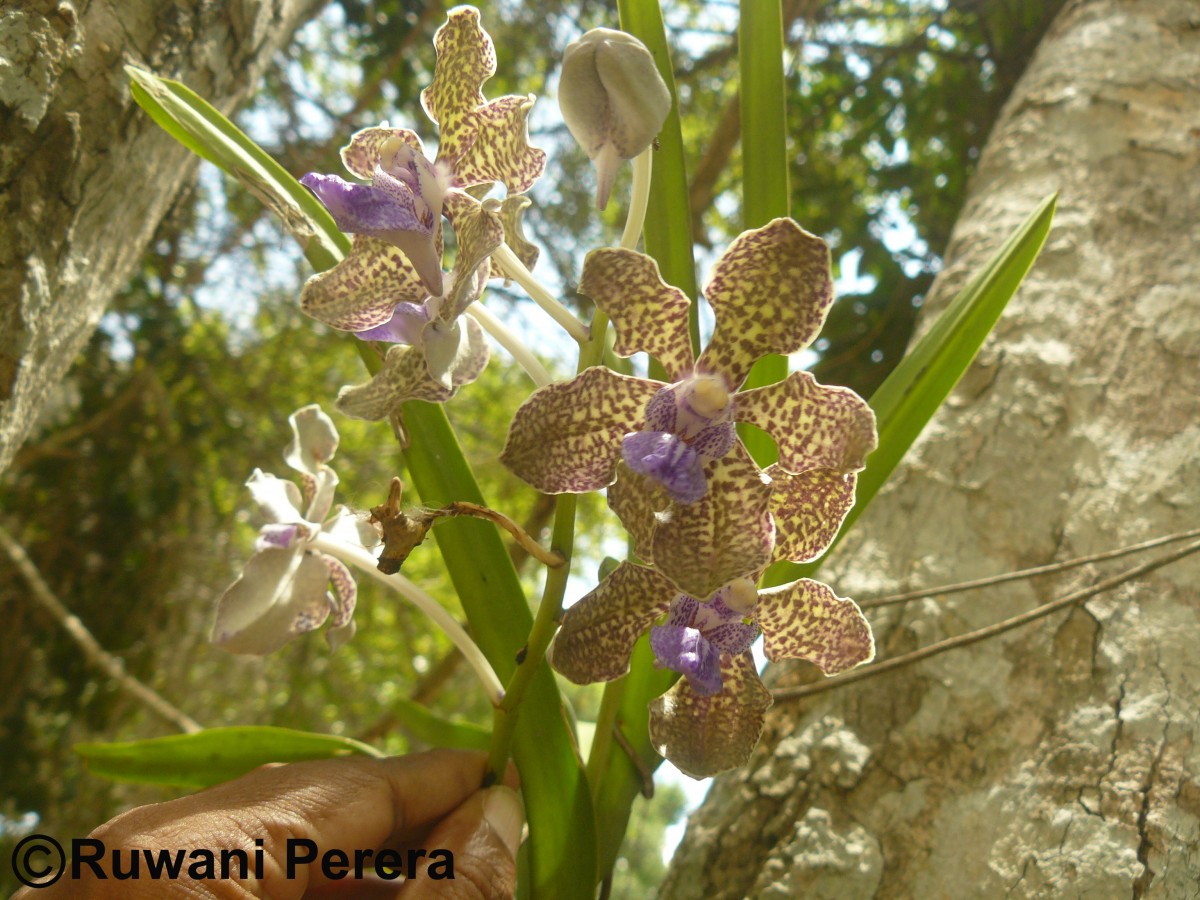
x=516, y=270
x=602, y=739
x=514, y=345
x=562, y=542
x=639, y=199
x=365, y=562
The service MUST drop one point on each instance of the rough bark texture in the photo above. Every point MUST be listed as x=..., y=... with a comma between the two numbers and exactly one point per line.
x=1059, y=760
x=85, y=176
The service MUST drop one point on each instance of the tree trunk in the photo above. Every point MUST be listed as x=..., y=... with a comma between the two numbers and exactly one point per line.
x=1058, y=760
x=85, y=176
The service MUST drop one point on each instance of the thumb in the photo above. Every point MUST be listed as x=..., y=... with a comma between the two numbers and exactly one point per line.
x=482, y=835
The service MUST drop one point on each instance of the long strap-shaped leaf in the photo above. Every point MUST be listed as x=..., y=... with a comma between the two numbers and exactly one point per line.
x=561, y=846
x=764, y=160
x=201, y=128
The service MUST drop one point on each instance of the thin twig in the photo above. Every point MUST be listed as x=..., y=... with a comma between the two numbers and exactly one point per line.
x=963, y=640
x=112, y=666
x=892, y=599
x=536, y=550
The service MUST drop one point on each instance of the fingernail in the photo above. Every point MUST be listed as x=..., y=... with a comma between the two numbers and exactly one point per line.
x=503, y=810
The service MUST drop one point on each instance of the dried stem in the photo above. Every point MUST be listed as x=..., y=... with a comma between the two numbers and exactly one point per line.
x=893, y=599
x=112, y=666
x=536, y=550
x=964, y=640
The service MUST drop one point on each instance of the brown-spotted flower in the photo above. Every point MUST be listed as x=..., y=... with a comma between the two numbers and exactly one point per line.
x=687, y=491
x=713, y=716
x=391, y=286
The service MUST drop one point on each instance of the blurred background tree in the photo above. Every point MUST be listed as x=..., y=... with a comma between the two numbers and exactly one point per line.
x=128, y=496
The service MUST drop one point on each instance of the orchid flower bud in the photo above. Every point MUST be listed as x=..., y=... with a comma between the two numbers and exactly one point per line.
x=613, y=100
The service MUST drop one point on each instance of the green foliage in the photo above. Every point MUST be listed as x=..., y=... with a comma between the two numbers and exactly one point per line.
x=212, y=756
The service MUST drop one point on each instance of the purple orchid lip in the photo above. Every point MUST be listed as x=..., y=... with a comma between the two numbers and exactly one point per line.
x=687, y=651
x=668, y=460
x=404, y=327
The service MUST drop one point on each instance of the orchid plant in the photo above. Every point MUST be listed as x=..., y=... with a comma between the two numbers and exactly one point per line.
x=719, y=521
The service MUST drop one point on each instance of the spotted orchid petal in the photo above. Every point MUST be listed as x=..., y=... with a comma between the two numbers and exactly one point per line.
x=402, y=205
x=511, y=211
x=706, y=735
x=362, y=291
x=480, y=232
x=598, y=632
x=815, y=426
x=566, y=437
x=808, y=509
x=647, y=313
x=636, y=499
x=364, y=152
x=481, y=141
x=344, y=597
x=449, y=357
x=726, y=534
x=770, y=291
x=280, y=593
x=278, y=499
x=806, y=620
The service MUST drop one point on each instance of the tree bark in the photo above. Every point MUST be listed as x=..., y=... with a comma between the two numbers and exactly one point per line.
x=1058, y=760
x=85, y=176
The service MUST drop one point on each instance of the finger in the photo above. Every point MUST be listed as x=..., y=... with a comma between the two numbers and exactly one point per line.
x=472, y=854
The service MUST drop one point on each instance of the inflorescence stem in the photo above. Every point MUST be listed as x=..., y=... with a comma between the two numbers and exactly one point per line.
x=364, y=561
x=639, y=199
x=515, y=269
x=514, y=345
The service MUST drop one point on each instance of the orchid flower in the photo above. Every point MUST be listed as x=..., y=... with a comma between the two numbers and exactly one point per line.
x=287, y=587
x=711, y=719
x=392, y=278
x=685, y=487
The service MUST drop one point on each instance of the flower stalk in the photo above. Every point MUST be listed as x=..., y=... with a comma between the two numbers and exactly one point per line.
x=639, y=199
x=365, y=562
x=516, y=348
x=515, y=269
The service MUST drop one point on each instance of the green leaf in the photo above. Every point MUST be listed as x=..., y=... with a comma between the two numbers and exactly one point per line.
x=668, y=232
x=919, y=385
x=557, y=799
x=424, y=725
x=206, y=132
x=214, y=755
x=764, y=161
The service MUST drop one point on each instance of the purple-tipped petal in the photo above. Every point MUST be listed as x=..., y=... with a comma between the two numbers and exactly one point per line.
x=809, y=509
x=566, y=437
x=706, y=735
x=647, y=313
x=279, y=536
x=770, y=291
x=598, y=632
x=814, y=425
x=669, y=461
x=806, y=620
x=687, y=651
x=404, y=327
x=366, y=208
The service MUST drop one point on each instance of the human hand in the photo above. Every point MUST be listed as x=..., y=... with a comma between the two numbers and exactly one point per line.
x=427, y=801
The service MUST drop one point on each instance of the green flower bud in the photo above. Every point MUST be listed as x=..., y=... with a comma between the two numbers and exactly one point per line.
x=613, y=100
